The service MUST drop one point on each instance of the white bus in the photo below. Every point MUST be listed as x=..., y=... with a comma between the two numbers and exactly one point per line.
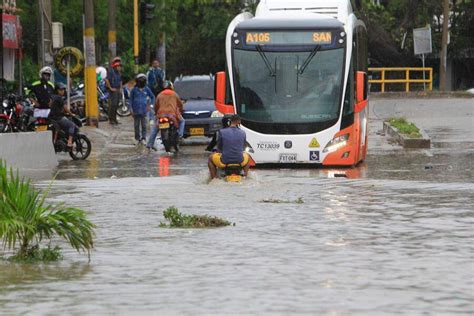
x=297, y=75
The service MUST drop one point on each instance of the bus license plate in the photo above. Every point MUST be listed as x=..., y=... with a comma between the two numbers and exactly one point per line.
x=194, y=131
x=287, y=158
x=42, y=128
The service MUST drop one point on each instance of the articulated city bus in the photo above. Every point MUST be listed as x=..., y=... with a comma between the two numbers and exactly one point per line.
x=297, y=76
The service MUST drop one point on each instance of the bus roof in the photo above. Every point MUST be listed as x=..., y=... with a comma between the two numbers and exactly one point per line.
x=290, y=24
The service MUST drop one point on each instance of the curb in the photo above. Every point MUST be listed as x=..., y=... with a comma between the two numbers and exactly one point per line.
x=407, y=142
x=421, y=95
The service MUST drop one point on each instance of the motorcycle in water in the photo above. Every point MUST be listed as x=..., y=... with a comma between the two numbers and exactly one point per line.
x=169, y=133
x=232, y=173
x=81, y=147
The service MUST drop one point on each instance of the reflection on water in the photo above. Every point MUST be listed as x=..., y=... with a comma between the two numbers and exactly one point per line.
x=14, y=274
x=354, y=247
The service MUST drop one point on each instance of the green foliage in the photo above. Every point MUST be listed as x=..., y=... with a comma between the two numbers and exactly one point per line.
x=194, y=31
x=35, y=255
x=25, y=218
x=178, y=220
x=405, y=127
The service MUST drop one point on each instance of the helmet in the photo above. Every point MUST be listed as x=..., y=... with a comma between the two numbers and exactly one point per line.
x=226, y=120
x=101, y=73
x=46, y=70
x=141, y=80
x=140, y=76
x=168, y=85
x=60, y=86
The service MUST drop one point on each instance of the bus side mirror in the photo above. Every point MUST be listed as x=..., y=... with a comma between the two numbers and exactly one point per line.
x=361, y=90
x=220, y=94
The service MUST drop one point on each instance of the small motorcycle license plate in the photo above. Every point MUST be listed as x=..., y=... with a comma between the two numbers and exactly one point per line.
x=195, y=131
x=287, y=158
x=42, y=128
x=164, y=125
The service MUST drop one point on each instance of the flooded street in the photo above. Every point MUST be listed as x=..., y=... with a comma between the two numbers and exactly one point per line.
x=393, y=236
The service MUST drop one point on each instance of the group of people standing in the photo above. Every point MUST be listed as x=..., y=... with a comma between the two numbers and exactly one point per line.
x=154, y=97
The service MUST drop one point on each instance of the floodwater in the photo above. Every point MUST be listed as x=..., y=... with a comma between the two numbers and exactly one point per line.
x=391, y=237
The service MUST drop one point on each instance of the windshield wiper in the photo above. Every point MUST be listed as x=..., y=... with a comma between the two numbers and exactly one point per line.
x=308, y=60
x=265, y=59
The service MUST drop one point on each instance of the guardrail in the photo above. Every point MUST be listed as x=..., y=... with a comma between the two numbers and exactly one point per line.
x=407, y=80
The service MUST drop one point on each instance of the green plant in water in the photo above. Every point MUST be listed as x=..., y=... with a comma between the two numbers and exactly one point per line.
x=405, y=127
x=297, y=201
x=36, y=254
x=25, y=219
x=178, y=220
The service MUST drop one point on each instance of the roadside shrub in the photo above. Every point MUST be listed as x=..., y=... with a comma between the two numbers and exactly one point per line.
x=405, y=127
x=26, y=220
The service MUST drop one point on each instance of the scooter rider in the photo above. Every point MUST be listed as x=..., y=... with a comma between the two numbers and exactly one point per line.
x=43, y=89
x=231, y=145
x=168, y=103
x=59, y=110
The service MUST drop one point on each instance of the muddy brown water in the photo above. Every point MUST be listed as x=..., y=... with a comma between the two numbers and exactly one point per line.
x=391, y=237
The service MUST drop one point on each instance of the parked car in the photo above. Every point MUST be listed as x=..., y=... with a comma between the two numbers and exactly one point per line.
x=200, y=113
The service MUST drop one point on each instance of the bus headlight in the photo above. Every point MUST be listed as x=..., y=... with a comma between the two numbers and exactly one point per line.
x=336, y=143
x=217, y=114
x=248, y=149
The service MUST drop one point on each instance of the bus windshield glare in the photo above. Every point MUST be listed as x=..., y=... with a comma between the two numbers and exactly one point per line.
x=288, y=87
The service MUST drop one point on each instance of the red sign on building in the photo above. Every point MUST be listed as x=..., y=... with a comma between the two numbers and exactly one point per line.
x=11, y=31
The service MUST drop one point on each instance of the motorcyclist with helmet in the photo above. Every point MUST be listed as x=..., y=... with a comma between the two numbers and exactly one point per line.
x=167, y=104
x=43, y=89
x=141, y=97
x=59, y=110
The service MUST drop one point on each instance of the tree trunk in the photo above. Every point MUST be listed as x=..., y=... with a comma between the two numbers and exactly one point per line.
x=112, y=29
x=444, y=47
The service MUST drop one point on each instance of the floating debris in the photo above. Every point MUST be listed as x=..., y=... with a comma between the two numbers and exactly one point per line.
x=178, y=220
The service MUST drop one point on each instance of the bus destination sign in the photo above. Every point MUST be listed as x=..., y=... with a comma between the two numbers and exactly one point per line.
x=288, y=38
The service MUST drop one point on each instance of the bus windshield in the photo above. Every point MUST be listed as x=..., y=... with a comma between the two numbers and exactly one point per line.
x=288, y=87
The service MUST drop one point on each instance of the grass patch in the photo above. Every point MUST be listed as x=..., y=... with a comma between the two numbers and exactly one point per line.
x=297, y=201
x=38, y=255
x=405, y=127
x=178, y=220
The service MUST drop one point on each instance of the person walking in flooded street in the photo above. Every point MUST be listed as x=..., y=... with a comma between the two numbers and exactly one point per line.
x=114, y=84
x=141, y=99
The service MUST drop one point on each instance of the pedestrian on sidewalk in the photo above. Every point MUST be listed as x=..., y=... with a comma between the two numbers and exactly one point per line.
x=114, y=84
x=141, y=99
x=156, y=77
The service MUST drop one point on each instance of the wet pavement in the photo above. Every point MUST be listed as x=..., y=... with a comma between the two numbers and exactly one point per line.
x=393, y=236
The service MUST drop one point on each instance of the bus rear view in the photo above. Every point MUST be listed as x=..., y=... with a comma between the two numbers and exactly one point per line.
x=298, y=80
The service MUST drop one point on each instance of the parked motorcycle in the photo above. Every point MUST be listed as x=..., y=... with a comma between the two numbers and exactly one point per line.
x=82, y=146
x=12, y=114
x=78, y=101
x=169, y=133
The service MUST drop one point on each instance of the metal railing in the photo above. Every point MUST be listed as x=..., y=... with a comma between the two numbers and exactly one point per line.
x=407, y=80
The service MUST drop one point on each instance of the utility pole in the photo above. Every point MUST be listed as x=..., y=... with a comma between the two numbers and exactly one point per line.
x=161, y=49
x=92, y=110
x=444, y=47
x=135, y=34
x=45, y=34
x=112, y=29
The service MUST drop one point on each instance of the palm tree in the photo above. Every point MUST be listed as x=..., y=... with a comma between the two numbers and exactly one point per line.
x=25, y=218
